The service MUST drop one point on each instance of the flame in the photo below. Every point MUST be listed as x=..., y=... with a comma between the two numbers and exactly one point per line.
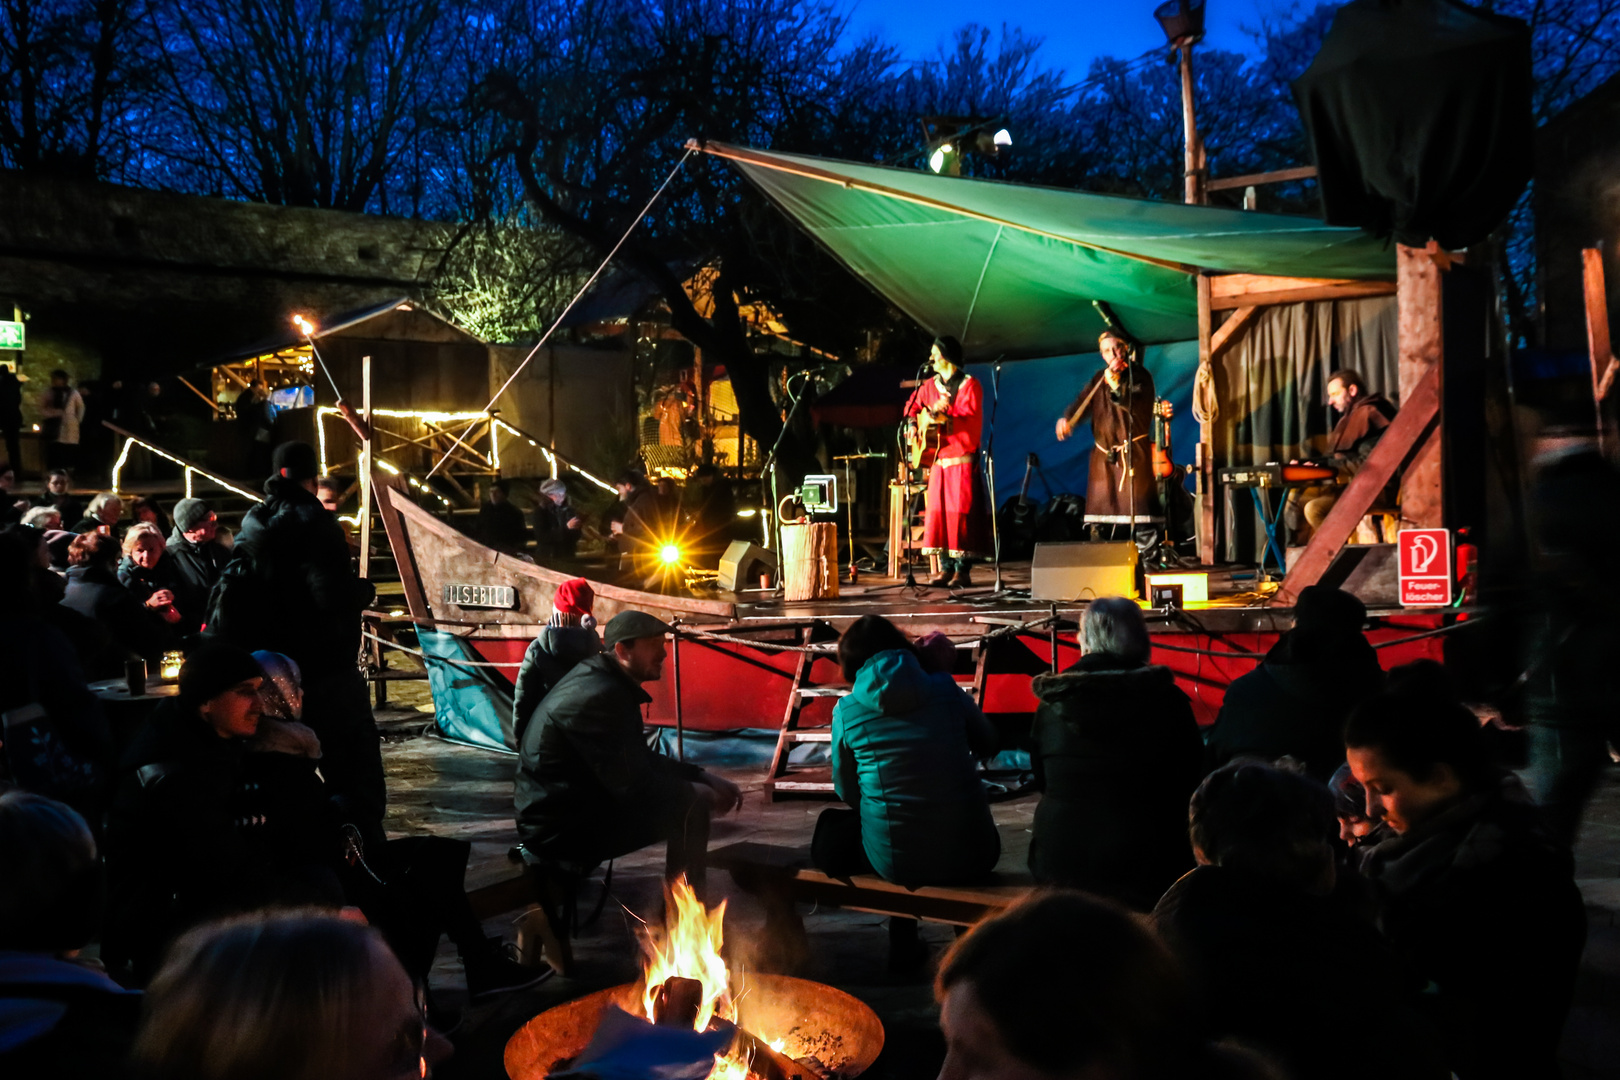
x=689, y=948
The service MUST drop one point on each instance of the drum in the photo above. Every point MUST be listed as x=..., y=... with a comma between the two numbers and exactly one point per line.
x=809, y=560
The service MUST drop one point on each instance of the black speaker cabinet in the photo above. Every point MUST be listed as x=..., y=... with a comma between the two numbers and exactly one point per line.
x=1082, y=571
x=742, y=564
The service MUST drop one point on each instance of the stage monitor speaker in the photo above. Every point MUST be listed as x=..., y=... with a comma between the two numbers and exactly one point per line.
x=1082, y=571
x=742, y=564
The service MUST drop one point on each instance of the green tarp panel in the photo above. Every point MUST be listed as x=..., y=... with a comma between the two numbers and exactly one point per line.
x=1012, y=269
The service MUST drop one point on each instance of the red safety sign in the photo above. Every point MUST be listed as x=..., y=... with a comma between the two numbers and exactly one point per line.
x=1425, y=567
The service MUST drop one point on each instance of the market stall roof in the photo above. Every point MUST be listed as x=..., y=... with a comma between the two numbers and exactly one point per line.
x=1013, y=269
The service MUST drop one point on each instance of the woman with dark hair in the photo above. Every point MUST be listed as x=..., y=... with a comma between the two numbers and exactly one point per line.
x=949, y=412
x=1279, y=949
x=1475, y=896
x=191, y=834
x=292, y=996
x=93, y=590
x=146, y=508
x=903, y=743
x=1063, y=985
x=59, y=1018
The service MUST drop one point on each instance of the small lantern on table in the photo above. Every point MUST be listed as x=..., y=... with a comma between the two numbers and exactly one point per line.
x=169, y=669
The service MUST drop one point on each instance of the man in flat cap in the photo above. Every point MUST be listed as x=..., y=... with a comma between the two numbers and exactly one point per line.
x=589, y=789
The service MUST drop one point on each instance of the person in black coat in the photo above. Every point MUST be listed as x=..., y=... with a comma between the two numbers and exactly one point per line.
x=1116, y=756
x=11, y=413
x=192, y=834
x=148, y=573
x=1475, y=894
x=60, y=1018
x=1295, y=703
x=290, y=587
x=1280, y=948
x=93, y=590
x=557, y=525
x=197, y=560
x=588, y=789
x=500, y=523
x=569, y=637
x=58, y=493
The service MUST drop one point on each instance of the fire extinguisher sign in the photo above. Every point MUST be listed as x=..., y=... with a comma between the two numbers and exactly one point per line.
x=1425, y=567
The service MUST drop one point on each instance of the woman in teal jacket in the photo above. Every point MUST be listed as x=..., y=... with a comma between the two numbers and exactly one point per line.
x=903, y=743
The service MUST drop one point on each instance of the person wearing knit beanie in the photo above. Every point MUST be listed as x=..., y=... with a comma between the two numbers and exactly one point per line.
x=572, y=603
x=221, y=682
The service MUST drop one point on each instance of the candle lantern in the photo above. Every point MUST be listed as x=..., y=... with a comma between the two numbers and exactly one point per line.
x=169, y=671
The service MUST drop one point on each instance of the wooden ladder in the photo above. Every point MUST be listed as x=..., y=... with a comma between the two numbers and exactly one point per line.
x=803, y=690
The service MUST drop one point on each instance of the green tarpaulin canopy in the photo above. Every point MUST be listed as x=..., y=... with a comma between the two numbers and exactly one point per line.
x=1013, y=269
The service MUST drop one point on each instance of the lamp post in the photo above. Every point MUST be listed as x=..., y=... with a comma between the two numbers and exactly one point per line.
x=1183, y=24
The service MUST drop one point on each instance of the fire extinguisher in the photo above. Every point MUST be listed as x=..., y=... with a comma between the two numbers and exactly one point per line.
x=1467, y=569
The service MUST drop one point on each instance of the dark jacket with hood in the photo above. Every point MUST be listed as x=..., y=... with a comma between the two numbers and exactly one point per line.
x=584, y=768
x=290, y=587
x=199, y=828
x=1117, y=756
x=1484, y=906
x=195, y=569
x=1296, y=702
x=903, y=742
x=63, y=1020
x=548, y=658
x=1294, y=974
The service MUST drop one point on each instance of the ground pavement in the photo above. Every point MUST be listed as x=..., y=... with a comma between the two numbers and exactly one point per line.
x=451, y=790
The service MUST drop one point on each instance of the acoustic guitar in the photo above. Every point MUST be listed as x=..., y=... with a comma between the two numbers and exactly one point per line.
x=924, y=434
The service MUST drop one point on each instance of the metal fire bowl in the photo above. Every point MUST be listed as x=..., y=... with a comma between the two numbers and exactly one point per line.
x=814, y=1020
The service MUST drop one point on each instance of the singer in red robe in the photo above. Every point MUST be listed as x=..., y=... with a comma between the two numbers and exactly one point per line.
x=956, y=523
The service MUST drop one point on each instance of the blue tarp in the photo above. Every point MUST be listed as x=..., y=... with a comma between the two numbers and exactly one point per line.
x=1035, y=392
x=468, y=702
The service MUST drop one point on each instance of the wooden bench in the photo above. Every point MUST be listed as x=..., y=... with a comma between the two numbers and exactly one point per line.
x=782, y=876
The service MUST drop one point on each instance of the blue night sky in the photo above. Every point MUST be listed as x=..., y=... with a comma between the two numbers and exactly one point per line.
x=1075, y=32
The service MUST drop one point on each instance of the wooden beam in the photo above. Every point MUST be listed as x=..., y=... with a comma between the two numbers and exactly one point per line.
x=1421, y=352
x=1599, y=346
x=1204, y=464
x=1231, y=329
x=1229, y=291
x=1277, y=176
x=1405, y=437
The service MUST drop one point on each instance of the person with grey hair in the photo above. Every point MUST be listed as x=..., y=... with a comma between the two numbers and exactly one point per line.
x=102, y=515
x=1116, y=754
x=58, y=1017
x=43, y=518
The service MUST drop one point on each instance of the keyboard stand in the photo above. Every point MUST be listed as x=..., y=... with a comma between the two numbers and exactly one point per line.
x=1269, y=521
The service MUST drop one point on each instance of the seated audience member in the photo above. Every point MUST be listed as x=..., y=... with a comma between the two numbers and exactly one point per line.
x=57, y=541
x=60, y=1019
x=903, y=743
x=411, y=888
x=43, y=518
x=148, y=573
x=58, y=494
x=500, y=523
x=1277, y=955
x=588, y=788
x=12, y=504
x=1294, y=704
x=101, y=516
x=93, y=591
x=569, y=637
x=1475, y=895
x=557, y=525
x=1356, y=829
x=1116, y=754
x=147, y=509
x=193, y=833
x=288, y=996
x=1064, y=986
x=195, y=559
x=38, y=595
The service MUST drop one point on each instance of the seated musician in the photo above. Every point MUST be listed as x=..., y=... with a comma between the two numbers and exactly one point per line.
x=1364, y=416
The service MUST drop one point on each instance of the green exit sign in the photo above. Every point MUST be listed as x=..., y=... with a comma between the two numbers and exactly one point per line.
x=11, y=335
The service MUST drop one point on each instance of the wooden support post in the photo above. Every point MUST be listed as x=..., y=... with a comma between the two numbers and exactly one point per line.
x=1204, y=463
x=1193, y=143
x=1421, y=350
x=1599, y=346
x=366, y=465
x=1409, y=435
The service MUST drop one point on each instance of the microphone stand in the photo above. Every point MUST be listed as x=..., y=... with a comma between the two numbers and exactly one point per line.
x=769, y=509
x=990, y=465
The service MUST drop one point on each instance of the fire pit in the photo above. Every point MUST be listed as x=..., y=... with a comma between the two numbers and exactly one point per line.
x=794, y=1018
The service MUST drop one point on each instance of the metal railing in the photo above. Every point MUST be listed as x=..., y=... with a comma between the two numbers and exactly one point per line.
x=191, y=468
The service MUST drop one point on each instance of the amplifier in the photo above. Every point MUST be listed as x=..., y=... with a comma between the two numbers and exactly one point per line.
x=1083, y=571
x=742, y=564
